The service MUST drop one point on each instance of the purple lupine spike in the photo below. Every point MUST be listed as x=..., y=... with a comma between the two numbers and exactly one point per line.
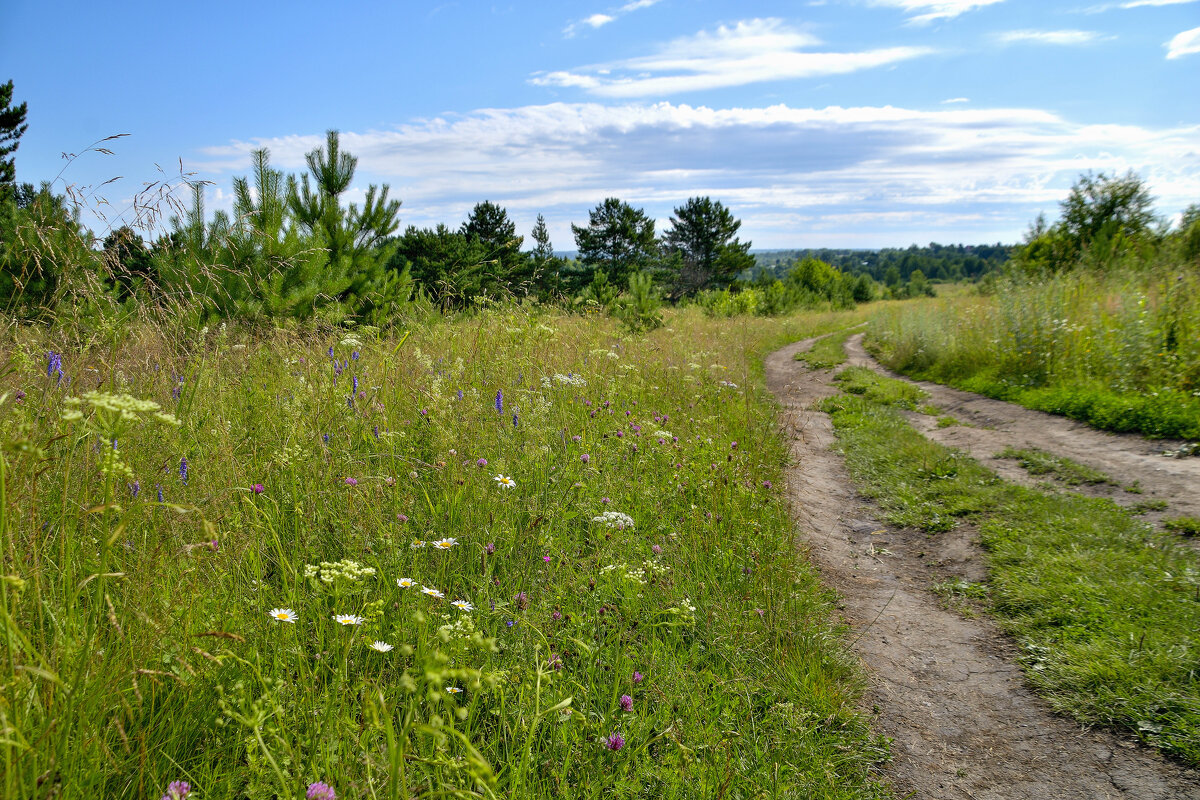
x=354, y=356
x=183, y=470
x=355, y=379
x=159, y=487
x=376, y=431
x=330, y=351
x=514, y=419
x=499, y=401
x=134, y=488
x=460, y=394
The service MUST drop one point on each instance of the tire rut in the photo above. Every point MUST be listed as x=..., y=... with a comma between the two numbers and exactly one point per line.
x=946, y=688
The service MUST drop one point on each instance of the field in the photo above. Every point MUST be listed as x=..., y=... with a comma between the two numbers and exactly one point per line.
x=509, y=554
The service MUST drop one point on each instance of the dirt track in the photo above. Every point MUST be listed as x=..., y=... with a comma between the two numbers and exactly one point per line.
x=946, y=687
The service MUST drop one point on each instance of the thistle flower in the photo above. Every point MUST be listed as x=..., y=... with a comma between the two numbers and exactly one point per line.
x=320, y=791
x=585, y=458
x=481, y=462
x=283, y=615
x=177, y=790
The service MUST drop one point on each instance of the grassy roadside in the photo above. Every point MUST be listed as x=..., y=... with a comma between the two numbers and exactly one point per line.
x=624, y=614
x=828, y=351
x=1106, y=610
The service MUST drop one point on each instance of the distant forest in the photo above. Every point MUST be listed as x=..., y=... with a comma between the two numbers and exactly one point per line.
x=892, y=266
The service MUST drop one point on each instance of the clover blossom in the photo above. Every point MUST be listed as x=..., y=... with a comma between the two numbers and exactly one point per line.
x=320, y=791
x=177, y=790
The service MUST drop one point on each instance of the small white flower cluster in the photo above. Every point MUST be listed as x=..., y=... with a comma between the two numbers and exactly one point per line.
x=352, y=342
x=729, y=385
x=615, y=519
x=657, y=567
x=685, y=610
x=331, y=571
x=461, y=628
x=124, y=406
x=568, y=380
x=630, y=574
x=664, y=435
x=288, y=454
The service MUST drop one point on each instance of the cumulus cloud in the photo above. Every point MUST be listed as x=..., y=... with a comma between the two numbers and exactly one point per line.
x=922, y=12
x=751, y=51
x=1183, y=44
x=1062, y=37
x=954, y=174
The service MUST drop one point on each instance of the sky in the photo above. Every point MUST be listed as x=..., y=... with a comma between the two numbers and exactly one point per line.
x=830, y=123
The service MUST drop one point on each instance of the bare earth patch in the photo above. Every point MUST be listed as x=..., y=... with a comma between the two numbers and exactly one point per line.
x=946, y=687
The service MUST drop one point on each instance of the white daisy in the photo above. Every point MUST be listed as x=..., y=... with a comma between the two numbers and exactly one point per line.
x=382, y=647
x=283, y=614
x=445, y=544
x=505, y=481
x=432, y=592
x=453, y=690
x=462, y=605
x=417, y=544
x=405, y=583
x=347, y=619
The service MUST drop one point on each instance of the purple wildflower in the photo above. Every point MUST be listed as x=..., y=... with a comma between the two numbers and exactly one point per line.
x=159, y=487
x=766, y=484
x=355, y=381
x=615, y=741
x=556, y=615
x=490, y=548
x=376, y=431
x=351, y=482
x=326, y=438
x=481, y=462
x=522, y=600
x=499, y=401
x=460, y=394
x=177, y=790
x=638, y=677
x=320, y=791
x=354, y=355
x=331, y=351
x=258, y=488
x=546, y=558
x=509, y=623
x=514, y=420
x=401, y=518
x=656, y=549
x=183, y=470
x=626, y=703
x=54, y=366
x=134, y=488
x=19, y=396
x=576, y=438
x=585, y=458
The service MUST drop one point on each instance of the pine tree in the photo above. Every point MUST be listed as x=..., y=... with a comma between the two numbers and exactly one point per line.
x=703, y=232
x=618, y=240
x=12, y=125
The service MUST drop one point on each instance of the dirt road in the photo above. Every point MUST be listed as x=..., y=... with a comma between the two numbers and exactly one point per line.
x=946, y=687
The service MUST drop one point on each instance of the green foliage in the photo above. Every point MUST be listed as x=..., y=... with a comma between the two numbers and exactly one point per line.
x=141, y=648
x=1103, y=607
x=1040, y=462
x=704, y=234
x=828, y=351
x=641, y=309
x=12, y=126
x=618, y=239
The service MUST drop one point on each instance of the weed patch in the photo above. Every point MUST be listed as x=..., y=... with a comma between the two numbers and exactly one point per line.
x=1040, y=462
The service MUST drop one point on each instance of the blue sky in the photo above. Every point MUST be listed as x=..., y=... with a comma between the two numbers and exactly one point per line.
x=841, y=123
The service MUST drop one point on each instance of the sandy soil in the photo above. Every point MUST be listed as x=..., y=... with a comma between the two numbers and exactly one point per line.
x=945, y=686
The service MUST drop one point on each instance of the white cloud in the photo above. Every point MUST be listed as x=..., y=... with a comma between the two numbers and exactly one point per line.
x=867, y=175
x=1141, y=3
x=1183, y=44
x=750, y=51
x=1063, y=37
x=925, y=11
x=951, y=100
x=597, y=20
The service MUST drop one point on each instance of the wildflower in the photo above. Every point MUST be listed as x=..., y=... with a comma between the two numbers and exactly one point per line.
x=615, y=519
x=585, y=458
x=453, y=690
x=258, y=488
x=354, y=355
x=401, y=517
x=134, y=488
x=462, y=605
x=326, y=438
x=417, y=544
x=445, y=544
x=19, y=396
x=177, y=790
x=509, y=623
x=626, y=703
x=615, y=741
x=546, y=558
x=481, y=462
x=505, y=481
x=460, y=394
x=499, y=401
x=381, y=647
x=54, y=366
x=522, y=600
x=355, y=384
x=556, y=615
x=159, y=487
x=283, y=614
x=347, y=619
x=656, y=549
x=351, y=482
x=405, y=583
x=320, y=791
x=605, y=500
x=432, y=592
x=514, y=420
x=375, y=431
x=766, y=484
x=490, y=548
x=638, y=677
x=330, y=351
x=183, y=470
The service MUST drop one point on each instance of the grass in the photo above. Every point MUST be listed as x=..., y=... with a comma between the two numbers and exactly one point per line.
x=1185, y=526
x=1106, y=610
x=828, y=351
x=684, y=649
x=1119, y=350
x=1040, y=462
x=876, y=388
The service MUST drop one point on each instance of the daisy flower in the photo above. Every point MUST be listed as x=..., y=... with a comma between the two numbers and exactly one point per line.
x=432, y=592
x=462, y=605
x=382, y=647
x=405, y=583
x=283, y=614
x=417, y=544
x=347, y=619
x=453, y=690
x=445, y=544
x=505, y=481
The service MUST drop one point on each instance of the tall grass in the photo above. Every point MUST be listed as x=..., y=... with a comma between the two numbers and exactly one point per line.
x=1118, y=349
x=678, y=647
